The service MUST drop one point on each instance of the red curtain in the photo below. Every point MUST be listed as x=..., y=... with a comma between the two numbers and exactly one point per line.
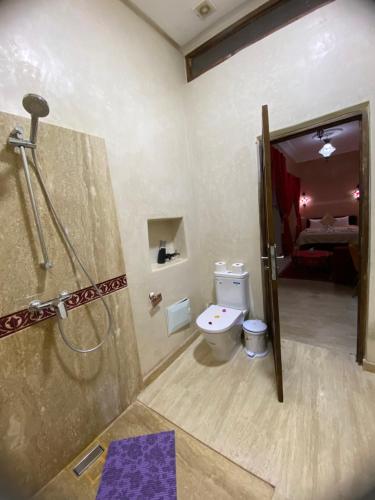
x=296, y=198
x=285, y=187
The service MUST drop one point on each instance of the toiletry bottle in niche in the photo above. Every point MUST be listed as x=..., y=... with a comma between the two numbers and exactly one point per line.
x=162, y=252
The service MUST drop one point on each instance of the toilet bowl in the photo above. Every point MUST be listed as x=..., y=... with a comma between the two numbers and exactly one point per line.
x=221, y=324
x=221, y=327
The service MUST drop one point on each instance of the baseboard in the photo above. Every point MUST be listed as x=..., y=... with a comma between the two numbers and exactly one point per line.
x=156, y=372
x=368, y=366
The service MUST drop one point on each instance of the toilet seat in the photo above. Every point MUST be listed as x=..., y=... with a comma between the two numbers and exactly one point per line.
x=218, y=319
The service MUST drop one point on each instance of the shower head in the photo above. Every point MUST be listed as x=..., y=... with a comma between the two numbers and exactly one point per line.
x=35, y=105
x=38, y=107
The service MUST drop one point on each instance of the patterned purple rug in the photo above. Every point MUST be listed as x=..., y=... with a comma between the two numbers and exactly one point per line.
x=140, y=468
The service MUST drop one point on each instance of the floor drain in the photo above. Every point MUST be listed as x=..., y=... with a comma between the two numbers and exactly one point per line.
x=88, y=460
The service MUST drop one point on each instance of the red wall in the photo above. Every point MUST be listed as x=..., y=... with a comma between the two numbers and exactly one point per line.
x=329, y=184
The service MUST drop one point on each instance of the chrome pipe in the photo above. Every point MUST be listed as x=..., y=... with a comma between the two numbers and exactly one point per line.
x=47, y=264
x=34, y=128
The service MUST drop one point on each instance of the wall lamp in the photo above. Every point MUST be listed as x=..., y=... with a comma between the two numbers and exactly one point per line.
x=304, y=200
x=357, y=193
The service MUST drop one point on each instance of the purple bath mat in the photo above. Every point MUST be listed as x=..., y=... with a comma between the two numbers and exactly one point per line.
x=140, y=468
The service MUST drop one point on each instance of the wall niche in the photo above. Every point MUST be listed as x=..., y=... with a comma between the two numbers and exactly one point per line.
x=170, y=230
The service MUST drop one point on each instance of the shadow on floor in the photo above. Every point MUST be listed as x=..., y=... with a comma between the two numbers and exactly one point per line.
x=203, y=355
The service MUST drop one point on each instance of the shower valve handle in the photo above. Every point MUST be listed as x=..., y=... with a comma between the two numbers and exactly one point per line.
x=61, y=309
x=58, y=304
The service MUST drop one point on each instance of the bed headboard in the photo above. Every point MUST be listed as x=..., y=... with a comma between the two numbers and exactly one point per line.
x=353, y=220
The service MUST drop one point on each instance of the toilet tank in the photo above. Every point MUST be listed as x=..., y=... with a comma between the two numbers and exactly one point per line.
x=232, y=290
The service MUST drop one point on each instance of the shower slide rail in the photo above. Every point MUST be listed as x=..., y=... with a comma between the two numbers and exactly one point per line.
x=16, y=139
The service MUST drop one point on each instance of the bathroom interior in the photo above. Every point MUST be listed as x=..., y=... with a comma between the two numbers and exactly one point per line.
x=132, y=260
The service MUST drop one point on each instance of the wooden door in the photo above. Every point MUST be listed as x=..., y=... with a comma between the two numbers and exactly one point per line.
x=269, y=255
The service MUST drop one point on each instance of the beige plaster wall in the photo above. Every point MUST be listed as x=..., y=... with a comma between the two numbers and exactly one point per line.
x=104, y=71
x=54, y=401
x=319, y=64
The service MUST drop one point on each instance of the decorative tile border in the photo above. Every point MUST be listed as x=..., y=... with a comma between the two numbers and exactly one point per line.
x=19, y=320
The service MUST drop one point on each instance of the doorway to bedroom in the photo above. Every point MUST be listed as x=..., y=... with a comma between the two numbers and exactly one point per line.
x=320, y=213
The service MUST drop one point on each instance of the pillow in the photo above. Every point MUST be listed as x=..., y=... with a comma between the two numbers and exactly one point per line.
x=328, y=220
x=315, y=223
x=342, y=221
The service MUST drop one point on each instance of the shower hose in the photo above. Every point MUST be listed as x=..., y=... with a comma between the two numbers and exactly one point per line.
x=70, y=245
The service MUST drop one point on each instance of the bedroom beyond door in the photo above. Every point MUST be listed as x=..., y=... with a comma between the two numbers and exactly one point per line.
x=320, y=213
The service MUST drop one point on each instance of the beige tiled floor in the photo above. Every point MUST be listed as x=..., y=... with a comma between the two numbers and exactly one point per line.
x=318, y=445
x=318, y=313
x=202, y=473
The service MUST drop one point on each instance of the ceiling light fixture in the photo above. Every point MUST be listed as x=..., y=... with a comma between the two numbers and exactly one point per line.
x=324, y=135
x=204, y=9
x=327, y=149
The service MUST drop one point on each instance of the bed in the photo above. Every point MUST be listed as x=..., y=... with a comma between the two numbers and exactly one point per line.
x=318, y=234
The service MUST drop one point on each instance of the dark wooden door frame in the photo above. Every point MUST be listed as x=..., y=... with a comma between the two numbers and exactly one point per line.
x=269, y=256
x=360, y=112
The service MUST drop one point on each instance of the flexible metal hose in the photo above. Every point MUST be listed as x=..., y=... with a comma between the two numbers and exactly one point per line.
x=80, y=263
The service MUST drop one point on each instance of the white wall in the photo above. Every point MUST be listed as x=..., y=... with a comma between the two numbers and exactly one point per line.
x=105, y=72
x=319, y=64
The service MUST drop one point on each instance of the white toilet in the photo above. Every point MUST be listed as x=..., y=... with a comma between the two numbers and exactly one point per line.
x=221, y=324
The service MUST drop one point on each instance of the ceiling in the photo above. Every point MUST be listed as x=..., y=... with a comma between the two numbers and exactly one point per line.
x=306, y=148
x=178, y=20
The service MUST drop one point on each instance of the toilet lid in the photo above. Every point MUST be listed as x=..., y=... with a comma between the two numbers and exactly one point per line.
x=217, y=319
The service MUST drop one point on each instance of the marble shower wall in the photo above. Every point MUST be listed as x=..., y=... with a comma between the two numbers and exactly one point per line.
x=74, y=167
x=53, y=401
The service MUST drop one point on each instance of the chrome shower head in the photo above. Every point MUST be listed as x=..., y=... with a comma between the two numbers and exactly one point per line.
x=35, y=105
x=38, y=107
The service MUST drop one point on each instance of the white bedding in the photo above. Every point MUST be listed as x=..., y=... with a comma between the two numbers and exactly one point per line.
x=328, y=234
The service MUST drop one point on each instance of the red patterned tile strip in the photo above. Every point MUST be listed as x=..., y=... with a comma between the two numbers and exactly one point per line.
x=17, y=321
